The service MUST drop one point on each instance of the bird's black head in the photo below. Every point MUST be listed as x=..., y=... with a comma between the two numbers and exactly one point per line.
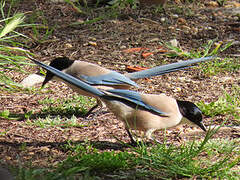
x=191, y=112
x=59, y=63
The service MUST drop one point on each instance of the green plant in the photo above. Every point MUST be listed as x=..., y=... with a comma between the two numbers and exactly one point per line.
x=3, y=132
x=55, y=121
x=226, y=104
x=206, y=50
x=11, y=4
x=221, y=2
x=219, y=66
x=42, y=31
x=187, y=161
x=77, y=7
x=124, y=3
x=59, y=112
x=10, y=60
x=4, y=114
x=205, y=159
x=112, y=11
x=69, y=106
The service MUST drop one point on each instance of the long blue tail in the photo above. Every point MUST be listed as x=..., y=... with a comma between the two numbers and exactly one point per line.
x=159, y=70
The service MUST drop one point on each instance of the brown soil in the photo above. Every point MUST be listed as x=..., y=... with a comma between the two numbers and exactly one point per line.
x=102, y=42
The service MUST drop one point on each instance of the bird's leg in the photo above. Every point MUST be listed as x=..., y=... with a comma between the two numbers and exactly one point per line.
x=90, y=111
x=99, y=103
x=133, y=142
x=149, y=135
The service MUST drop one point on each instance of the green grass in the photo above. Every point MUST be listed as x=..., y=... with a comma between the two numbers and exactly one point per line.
x=56, y=121
x=55, y=111
x=206, y=159
x=11, y=59
x=61, y=106
x=41, y=31
x=221, y=2
x=228, y=104
x=6, y=114
x=115, y=10
x=190, y=160
x=217, y=66
x=60, y=112
x=76, y=7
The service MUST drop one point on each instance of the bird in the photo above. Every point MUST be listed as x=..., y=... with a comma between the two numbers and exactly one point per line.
x=145, y=112
x=104, y=78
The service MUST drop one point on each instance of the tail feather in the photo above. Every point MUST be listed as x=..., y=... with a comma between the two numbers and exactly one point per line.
x=169, y=71
x=159, y=70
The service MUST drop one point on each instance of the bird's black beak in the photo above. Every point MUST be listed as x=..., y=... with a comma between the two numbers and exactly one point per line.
x=44, y=82
x=48, y=77
x=202, y=126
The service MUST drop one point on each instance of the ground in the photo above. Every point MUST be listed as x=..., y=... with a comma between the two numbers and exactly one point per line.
x=103, y=42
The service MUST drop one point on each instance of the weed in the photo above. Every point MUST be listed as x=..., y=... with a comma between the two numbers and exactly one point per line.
x=221, y=2
x=206, y=50
x=219, y=66
x=76, y=7
x=3, y=132
x=227, y=104
x=59, y=112
x=23, y=146
x=60, y=106
x=41, y=32
x=112, y=11
x=9, y=58
x=55, y=121
x=4, y=114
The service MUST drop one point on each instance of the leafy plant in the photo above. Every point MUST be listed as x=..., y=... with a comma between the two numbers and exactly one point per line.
x=206, y=50
x=10, y=60
x=4, y=114
x=226, y=104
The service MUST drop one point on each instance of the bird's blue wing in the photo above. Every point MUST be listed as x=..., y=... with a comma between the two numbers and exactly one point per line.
x=112, y=78
x=135, y=98
x=159, y=70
